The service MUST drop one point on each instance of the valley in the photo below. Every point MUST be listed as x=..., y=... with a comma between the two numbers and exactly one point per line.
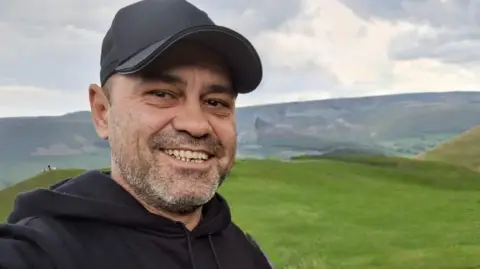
x=394, y=125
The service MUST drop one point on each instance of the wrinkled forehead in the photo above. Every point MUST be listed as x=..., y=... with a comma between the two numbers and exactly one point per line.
x=187, y=54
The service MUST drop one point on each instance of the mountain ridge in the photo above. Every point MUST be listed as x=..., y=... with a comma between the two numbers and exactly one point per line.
x=401, y=124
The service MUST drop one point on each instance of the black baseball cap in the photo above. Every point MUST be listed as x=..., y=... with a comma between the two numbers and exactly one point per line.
x=142, y=31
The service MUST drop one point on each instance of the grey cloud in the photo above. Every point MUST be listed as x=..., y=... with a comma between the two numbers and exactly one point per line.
x=56, y=48
x=386, y=9
x=250, y=16
x=459, y=47
x=96, y=14
x=92, y=15
x=56, y=43
x=455, y=53
x=57, y=57
x=286, y=85
x=457, y=23
x=284, y=79
x=453, y=13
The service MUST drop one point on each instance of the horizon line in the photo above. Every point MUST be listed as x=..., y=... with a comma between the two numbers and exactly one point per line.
x=286, y=102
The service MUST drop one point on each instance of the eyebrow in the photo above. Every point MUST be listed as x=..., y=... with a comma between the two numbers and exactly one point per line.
x=217, y=88
x=163, y=77
x=173, y=79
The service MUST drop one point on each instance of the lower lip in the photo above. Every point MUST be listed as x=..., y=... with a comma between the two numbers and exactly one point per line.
x=189, y=165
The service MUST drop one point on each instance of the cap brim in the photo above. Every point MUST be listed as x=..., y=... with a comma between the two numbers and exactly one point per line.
x=239, y=54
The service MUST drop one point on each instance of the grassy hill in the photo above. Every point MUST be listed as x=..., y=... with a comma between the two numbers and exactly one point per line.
x=360, y=213
x=461, y=150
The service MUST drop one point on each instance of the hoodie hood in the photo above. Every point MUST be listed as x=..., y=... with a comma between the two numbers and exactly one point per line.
x=95, y=196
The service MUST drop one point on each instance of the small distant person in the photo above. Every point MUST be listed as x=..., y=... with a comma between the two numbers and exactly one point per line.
x=49, y=168
x=166, y=104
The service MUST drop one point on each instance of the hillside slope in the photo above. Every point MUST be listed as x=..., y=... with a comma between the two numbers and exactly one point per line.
x=353, y=213
x=461, y=150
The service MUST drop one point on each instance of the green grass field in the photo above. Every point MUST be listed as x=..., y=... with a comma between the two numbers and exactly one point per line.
x=349, y=213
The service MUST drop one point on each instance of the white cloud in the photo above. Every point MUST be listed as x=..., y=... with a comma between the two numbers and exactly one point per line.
x=431, y=75
x=18, y=100
x=311, y=49
x=328, y=35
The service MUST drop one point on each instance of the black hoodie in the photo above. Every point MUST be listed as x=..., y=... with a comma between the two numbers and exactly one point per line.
x=90, y=222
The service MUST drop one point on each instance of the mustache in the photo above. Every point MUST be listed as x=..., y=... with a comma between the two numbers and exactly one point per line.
x=174, y=139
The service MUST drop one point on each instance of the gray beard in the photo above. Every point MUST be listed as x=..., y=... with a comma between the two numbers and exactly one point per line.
x=153, y=183
x=150, y=188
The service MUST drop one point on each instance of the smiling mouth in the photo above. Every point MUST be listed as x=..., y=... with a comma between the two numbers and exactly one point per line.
x=188, y=155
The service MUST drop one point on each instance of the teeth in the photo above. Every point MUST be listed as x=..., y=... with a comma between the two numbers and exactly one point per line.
x=187, y=155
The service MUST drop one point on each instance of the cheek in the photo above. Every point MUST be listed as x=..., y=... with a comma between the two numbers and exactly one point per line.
x=141, y=123
x=153, y=119
x=128, y=125
x=122, y=130
x=226, y=132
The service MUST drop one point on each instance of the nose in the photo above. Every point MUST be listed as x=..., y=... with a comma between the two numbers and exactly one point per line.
x=192, y=119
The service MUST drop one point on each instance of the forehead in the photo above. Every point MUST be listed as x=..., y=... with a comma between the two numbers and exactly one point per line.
x=184, y=55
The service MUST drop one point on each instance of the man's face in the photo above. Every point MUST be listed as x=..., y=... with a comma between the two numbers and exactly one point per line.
x=172, y=130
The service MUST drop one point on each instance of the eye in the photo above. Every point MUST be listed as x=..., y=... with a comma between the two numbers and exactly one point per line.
x=163, y=94
x=217, y=103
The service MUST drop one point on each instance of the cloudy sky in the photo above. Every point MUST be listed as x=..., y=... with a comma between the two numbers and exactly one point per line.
x=311, y=49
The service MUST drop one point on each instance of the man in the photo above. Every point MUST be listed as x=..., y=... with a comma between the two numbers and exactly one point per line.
x=166, y=104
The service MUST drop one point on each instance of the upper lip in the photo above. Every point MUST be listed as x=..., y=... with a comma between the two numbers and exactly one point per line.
x=208, y=152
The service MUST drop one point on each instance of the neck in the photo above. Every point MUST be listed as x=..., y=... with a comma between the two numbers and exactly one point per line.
x=190, y=220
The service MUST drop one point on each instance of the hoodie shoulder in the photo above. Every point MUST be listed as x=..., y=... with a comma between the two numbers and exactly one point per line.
x=21, y=247
x=32, y=243
x=248, y=242
x=257, y=247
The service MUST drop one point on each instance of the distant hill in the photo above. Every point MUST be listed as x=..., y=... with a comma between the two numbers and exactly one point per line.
x=461, y=150
x=404, y=124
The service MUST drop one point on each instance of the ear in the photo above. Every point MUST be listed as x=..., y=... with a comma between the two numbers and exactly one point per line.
x=99, y=106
